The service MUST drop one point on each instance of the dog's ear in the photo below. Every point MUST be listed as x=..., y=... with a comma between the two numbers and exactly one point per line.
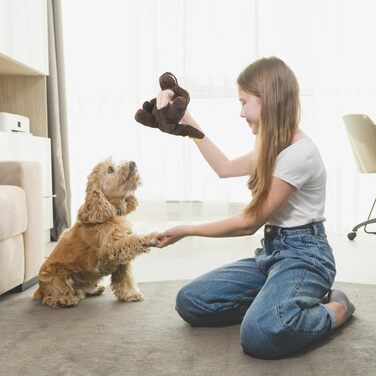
x=96, y=208
x=132, y=203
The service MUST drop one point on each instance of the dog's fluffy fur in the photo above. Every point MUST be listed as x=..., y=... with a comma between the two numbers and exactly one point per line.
x=100, y=243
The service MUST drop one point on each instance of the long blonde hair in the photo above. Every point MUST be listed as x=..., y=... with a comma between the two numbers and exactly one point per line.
x=275, y=84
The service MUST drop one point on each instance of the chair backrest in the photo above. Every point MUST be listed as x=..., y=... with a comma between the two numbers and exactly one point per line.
x=362, y=135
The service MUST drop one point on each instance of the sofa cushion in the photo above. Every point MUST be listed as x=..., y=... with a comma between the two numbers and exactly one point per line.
x=12, y=263
x=13, y=219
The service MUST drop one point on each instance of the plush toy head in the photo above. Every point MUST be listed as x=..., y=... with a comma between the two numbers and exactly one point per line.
x=168, y=81
x=166, y=114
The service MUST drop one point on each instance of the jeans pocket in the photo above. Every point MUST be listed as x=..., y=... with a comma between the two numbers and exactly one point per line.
x=318, y=245
x=320, y=249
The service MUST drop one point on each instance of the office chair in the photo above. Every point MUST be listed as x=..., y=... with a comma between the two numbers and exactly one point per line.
x=361, y=131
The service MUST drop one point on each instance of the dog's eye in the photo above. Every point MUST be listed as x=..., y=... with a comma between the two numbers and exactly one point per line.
x=110, y=170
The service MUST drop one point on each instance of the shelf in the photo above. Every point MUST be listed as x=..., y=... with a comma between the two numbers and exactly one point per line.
x=11, y=67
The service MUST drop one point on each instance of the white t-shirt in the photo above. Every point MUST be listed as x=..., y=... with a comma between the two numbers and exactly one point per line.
x=300, y=165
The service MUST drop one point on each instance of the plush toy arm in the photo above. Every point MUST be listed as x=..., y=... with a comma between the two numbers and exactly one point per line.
x=176, y=110
x=145, y=114
x=180, y=92
x=145, y=118
x=149, y=105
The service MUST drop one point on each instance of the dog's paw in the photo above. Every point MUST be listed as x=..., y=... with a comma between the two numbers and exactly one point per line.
x=95, y=292
x=150, y=240
x=70, y=305
x=100, y=290
x=67, y=301
x=134, y=296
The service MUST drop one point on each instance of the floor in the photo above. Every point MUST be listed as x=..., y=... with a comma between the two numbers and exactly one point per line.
x=104, y=337
x=187, y=259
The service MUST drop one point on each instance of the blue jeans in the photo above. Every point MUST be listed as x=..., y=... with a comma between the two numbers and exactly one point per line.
x=276, y=296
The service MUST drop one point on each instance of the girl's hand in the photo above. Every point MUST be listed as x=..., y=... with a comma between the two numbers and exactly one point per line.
x=164, y=98
x=172, y=235
x=187, y=118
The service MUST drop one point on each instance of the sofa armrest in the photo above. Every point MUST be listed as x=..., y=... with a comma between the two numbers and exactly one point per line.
x=28, y=176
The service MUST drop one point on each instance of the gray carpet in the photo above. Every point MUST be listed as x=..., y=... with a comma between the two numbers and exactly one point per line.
x=104, y=337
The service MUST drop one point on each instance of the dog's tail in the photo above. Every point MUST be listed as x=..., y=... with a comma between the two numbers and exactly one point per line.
x=38, y=295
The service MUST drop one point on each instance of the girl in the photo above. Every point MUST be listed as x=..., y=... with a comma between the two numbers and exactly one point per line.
x=279, y=296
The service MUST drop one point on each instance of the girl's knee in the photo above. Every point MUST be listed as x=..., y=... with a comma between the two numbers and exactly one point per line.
x=259, y=340
x=199, y=307
x=182, y=300
x=186, y=305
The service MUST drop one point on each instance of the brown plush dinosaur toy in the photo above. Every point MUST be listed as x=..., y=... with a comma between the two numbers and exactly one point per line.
x=165, y=111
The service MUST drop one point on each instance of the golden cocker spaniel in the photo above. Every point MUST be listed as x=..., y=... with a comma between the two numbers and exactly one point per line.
x=100, y=243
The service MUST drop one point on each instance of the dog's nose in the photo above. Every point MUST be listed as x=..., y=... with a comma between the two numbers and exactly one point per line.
x=132, y=165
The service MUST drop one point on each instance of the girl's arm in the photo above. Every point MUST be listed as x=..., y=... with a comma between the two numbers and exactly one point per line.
x=239, y=225
x=223, y=166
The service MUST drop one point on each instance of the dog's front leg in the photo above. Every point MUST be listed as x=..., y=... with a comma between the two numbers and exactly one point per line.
x=124, y=285
x=131, y=246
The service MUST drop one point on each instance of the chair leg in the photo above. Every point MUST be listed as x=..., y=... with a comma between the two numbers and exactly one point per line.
x=351, y=235
x=370, y=221
x=365, y=223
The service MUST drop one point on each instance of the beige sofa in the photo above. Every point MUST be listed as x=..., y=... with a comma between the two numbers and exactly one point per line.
x=21, y=224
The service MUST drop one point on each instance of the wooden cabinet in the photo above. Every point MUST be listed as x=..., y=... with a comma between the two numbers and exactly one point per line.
x=25, y=147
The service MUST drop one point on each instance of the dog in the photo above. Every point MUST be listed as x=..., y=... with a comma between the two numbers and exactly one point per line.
x=100, y=243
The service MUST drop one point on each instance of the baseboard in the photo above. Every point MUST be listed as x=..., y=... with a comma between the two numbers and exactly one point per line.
x=24, y=286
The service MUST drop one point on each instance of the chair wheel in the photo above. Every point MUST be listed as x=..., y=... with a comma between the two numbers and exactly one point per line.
x=351, y=235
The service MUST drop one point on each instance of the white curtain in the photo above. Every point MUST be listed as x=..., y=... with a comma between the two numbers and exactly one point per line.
x=116, y=49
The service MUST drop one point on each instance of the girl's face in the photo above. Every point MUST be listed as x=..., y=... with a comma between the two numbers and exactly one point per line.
x=251, y=109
